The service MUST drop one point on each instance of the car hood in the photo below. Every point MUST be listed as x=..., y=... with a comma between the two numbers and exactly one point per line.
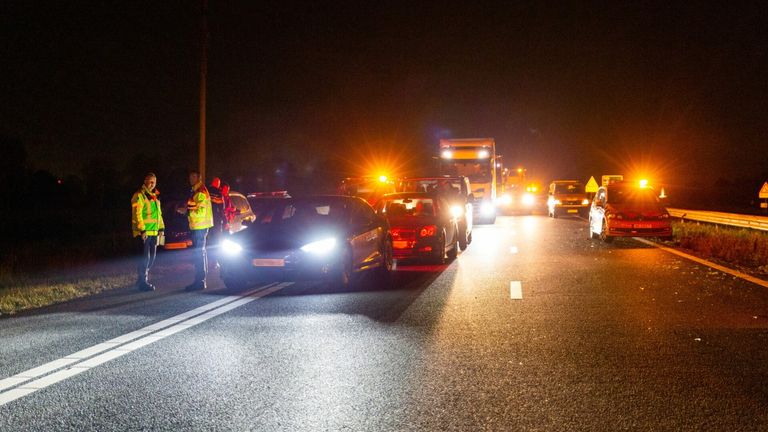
x=282, y=238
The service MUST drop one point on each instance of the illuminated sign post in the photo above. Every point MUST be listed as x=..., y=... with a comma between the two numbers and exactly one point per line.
x=763, y=195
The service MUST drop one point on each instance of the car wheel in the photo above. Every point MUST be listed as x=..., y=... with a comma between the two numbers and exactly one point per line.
x=439, y=252
x=603, y=233
x=384, y=272
x=592, y=234
x=343, y=277
x=463, y=239
x=454, y=252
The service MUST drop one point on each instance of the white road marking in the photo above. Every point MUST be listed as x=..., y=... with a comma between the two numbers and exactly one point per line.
x=117, y=347
x=723, y=269
x=513, y=249
x=516, y=290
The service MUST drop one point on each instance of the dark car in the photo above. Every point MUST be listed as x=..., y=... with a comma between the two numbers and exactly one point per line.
x=457, y=191
x=421, y=225
x=330, y=238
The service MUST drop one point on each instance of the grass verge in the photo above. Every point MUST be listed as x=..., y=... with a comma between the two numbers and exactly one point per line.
x=22, y=295
x=744, y=248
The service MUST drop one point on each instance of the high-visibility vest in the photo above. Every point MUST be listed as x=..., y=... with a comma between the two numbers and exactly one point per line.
x=146, y=214
x=199, y=210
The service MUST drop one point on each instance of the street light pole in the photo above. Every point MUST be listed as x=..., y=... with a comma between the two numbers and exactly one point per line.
x=203, y=79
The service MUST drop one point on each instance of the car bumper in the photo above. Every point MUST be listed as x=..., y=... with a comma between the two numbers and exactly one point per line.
x=414, y=249
x=639, y=229
x=285, y=267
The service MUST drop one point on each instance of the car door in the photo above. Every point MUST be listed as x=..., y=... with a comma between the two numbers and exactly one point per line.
x=367, y=235
x=597, y=211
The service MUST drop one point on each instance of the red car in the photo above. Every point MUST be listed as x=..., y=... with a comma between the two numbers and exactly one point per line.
x=422, y=226
x=625, y=209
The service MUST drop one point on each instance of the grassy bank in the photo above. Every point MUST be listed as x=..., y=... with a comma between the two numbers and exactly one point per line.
x=744, y=248
x=21, y=295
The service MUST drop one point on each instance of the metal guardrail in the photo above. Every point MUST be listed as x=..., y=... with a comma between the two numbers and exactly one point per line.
x=719, y=218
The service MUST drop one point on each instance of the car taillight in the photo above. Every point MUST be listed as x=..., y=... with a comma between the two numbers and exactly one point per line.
x=428, y=231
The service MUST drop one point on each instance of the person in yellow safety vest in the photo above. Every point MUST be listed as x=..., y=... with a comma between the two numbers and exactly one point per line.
x=200, y=215
x=146, y=226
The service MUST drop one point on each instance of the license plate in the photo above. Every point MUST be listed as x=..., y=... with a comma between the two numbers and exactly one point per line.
x=267, y=262
x=572, y=211
x=641, y=225
x=400, y=244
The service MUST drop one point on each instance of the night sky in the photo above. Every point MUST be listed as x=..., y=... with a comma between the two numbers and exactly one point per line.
x=677, y=90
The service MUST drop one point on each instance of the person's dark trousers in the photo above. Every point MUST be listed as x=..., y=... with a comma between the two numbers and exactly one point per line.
x=146, y=251
x=201, y=255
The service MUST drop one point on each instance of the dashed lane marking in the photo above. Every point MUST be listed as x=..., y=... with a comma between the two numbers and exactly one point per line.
x=40, y=377
x=516, y=290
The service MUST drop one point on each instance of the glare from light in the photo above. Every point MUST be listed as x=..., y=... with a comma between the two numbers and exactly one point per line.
x=447, y=154
x=383, y=178
x=506, y=199
x=483, y=154
x=487, y=209
x=230, y=247
x=457, y=211
x=528, y=199
x=519, y=170
x=320, y=247
x=585, y=202
x=643, y=183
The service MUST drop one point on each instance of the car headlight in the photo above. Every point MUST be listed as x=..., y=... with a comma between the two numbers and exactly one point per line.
x=230, y=247
x=557, y=202
x=320, y=247
x=457, y=211
x=506, y=199
x=527, y=199
x=487, y=209
x=585, y=202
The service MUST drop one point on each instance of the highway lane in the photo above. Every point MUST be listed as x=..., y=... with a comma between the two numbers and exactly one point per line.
x=605, y=337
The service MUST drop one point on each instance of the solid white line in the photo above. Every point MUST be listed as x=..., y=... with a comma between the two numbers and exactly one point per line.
x=516, y=290
x=111, y=349
x=723, y=269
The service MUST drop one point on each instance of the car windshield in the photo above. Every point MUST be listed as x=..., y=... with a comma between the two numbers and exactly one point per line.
x=444, y=186
x=408, y=207
x=302, y=212
x=633, y=196
x=569, y=188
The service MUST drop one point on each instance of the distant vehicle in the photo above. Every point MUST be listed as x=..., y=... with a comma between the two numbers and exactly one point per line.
x=369, y=188
x=567, y=197
x=624, y=209
x=421, y=225
x=457, y=191
x=330, y=238
x=243, y=212
x=177, y=234
x=611, y=178
x=474, y=158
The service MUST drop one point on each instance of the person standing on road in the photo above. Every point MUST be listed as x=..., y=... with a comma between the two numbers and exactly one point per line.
x=200, y=216
x=146, y=226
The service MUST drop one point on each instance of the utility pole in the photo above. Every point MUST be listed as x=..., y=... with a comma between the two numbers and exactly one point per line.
x=203, y=79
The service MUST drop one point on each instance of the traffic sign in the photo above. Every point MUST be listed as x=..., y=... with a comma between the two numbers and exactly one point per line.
x=591, y=186
x=763, y=191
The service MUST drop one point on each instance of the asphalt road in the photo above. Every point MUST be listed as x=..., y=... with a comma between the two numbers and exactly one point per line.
x=605, y=337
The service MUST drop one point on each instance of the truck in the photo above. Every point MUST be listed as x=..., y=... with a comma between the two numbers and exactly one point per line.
x=474, y=158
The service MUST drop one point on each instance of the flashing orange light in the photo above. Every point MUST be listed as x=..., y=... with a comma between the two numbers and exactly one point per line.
x=383, y=178
x=519, y=170
x=643, y=183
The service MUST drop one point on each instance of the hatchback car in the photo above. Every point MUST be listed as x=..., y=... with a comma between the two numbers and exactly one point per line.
x=624, y=209
x=330, y=238
x=421, y=225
